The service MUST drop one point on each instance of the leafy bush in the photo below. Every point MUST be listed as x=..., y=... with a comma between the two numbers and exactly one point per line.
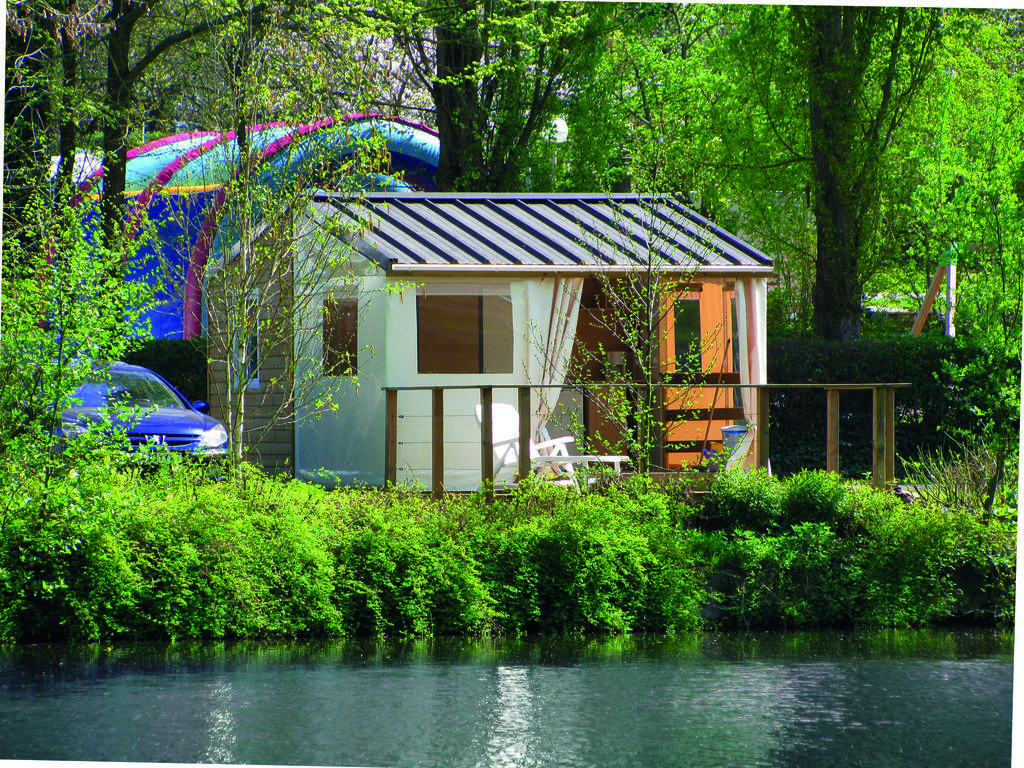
x=743, y=500
x=103, y=554
x=602, y=562
x=853, y=556
x=966, y=476
x=813, y=497
x=64, y=310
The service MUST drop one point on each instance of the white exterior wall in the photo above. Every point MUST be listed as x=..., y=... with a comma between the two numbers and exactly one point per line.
x=349, y=445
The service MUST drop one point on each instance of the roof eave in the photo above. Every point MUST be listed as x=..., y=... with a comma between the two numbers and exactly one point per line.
x=526, y=270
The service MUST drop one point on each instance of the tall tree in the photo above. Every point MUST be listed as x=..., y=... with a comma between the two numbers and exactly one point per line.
x=126, y=65
x=44, y=98
x=272, y=283
x=864, y=67
x=497, y=73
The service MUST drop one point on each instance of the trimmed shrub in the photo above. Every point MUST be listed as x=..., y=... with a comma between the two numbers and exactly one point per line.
x=951, y=395
x=743, y=500
x=813, y=497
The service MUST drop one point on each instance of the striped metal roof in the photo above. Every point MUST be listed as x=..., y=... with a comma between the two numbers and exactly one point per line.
x=541, y=233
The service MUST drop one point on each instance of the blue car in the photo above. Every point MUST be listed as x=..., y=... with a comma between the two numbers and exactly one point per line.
x=146, y=407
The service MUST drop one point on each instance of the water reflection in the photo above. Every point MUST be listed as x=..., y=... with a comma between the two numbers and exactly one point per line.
x=511, y=741
x=882, y=699
x=220, y=731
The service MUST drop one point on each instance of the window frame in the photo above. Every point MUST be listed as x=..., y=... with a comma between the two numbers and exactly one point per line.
x=494, y=341
x=348, y=358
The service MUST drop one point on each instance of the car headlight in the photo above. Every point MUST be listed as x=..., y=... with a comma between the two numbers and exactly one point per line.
x=214, y=437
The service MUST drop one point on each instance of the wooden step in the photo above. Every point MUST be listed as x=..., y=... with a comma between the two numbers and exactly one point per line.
x=703, y=414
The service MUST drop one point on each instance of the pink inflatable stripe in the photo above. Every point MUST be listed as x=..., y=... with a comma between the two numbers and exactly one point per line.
x=165, y=175
x=192, y=325
x=158, y=143
x=86, y=185
x=192, y=322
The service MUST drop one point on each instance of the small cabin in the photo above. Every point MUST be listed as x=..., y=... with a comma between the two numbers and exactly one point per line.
x=464, y=290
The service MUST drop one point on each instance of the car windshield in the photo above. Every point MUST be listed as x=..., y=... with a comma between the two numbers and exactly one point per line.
x=127, y=390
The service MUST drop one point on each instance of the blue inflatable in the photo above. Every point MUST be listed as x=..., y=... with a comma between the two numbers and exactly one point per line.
x=178, y=184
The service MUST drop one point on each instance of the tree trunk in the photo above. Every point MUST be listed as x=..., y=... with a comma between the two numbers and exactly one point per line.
x=115, y=121
x=841, y=40
x=837, y=290
x=457, y=101
x=854, y=109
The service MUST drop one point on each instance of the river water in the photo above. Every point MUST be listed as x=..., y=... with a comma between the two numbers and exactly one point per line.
x=928, y=699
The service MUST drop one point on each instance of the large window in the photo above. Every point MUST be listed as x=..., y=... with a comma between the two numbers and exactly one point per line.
x=341, y=342
x=464, y=331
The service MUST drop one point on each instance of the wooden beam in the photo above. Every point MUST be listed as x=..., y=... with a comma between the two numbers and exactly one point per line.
x=832, y=432
x=391, y=437
x=692, y=446
x=524, y=431
x=487, y=440
x=704, y=414
x=933, y=291
x=712, y=378
x=878, y=438
x=437, y=443
x=890, y=435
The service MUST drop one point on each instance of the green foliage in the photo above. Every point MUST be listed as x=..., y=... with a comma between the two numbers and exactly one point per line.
x=66, y=308
x=403, y=569
x=741, y=500
x=968, y=476
x=952, y=395
x=877, y=561
x=602, y=562
x=105, y=554
x=953, y=182
x=813, y=497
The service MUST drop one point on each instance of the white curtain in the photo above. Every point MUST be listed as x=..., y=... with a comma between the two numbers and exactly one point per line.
x=561, y=333
x=751, y=311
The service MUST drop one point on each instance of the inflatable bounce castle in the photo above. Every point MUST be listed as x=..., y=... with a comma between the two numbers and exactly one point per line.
x=179, y=183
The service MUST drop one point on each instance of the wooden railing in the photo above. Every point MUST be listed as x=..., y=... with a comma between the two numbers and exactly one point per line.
x=883, y=433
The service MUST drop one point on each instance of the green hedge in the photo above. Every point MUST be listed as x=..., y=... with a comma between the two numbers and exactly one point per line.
x=103, y=555
x=181, y=361
x=835, y=555
x=938, y=408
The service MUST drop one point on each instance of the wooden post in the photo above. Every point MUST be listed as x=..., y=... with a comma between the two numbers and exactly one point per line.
x=391, y=437
x=524, y=432
x=437, y=443
x=487, y=440
x=832, y=432
x=878, y=437
x=933, y=291
x=761, y=434
x=890, y=435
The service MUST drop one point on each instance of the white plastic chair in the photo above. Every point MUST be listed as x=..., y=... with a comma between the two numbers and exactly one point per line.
x=505, y=438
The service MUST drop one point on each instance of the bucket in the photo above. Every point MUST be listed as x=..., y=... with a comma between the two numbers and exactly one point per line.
x=731, y=437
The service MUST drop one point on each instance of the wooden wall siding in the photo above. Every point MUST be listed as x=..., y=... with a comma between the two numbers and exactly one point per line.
x=269, y=410
x=716, y=356
x=716, y=326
